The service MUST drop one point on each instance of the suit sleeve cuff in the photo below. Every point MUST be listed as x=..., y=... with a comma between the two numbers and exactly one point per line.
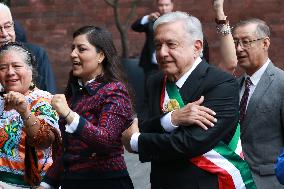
x=72, y=127
x=145, y=20
x=134, y=142
x=46, y=186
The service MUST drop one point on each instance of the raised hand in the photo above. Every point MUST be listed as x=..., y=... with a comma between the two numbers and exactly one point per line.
x=59, y=103
x=17, y=101
x=153, y=16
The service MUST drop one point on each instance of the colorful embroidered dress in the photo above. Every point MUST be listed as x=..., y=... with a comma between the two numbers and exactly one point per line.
x=13, y=136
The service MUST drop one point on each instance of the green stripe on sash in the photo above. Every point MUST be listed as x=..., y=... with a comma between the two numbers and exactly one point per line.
x=173, y=92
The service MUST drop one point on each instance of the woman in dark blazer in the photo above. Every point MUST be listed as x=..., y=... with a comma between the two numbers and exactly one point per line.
x=95, y=110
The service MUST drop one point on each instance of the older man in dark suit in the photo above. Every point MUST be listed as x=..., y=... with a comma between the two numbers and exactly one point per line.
x=178, y=126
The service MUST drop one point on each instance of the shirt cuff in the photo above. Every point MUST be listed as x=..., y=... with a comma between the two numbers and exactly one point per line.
x=134, y=142
x=72, y=127
x=145, y=20
x=166, y=122
x=45, y=185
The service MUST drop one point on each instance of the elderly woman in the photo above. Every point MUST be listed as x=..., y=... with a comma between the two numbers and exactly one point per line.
x=28, y=124
x=96, y=109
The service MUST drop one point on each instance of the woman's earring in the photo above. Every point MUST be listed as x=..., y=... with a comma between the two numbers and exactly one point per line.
x=32, y=86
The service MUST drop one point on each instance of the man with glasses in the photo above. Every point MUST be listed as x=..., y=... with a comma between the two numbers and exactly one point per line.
x=45, y=79
x=261, y=101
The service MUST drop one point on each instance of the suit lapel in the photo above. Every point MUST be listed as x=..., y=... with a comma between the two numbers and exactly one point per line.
x=261, y=88
x=192, y=84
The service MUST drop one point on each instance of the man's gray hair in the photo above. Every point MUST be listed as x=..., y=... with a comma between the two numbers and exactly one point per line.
x=192, y=25
x=262, y=29
x=5, y=8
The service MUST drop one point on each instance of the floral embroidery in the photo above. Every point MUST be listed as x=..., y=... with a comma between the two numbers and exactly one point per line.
x=12, y=133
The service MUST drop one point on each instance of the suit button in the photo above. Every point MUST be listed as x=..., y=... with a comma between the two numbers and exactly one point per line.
x=93, y=154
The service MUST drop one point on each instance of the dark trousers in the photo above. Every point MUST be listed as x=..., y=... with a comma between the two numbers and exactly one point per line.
x=113, y=183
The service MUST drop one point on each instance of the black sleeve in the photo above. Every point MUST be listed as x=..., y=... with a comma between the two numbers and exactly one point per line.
x=138, y=27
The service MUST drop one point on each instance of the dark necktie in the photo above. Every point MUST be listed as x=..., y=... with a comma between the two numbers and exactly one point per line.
x=244, y=100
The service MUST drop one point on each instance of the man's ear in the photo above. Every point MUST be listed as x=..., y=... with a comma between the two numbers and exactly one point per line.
x=198, y=46
x=266, y=43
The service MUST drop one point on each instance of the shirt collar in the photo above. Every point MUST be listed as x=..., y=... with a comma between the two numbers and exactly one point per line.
x=257, y=75
x=80, y=82
x=182, y=80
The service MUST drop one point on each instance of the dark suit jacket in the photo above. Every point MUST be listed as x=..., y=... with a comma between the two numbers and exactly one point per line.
x=262, y=128
x=149, y=48
x=45, y=79
x=169, y=152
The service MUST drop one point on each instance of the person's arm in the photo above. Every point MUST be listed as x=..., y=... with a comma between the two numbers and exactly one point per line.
x=279, y=167
x=187, y=142
x=52, y=178
x=114, y=117
x=141, y=25
x=227, y=48
x=40, y=119
x=138, y=26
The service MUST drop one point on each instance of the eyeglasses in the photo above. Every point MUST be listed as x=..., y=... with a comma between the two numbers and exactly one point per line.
x=8, y=27
x=245, y=43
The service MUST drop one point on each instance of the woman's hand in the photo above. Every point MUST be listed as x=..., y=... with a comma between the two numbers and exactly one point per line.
x=59, y=103
x=17, y=101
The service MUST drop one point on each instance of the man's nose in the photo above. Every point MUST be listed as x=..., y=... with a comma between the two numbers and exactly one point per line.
x=239, y=46
x=164, y=51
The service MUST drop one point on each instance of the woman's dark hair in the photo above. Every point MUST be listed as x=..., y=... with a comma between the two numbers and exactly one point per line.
x=102, y=40
x=29, y=59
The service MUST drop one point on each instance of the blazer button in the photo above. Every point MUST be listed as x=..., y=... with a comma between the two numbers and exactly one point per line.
x=93, y=154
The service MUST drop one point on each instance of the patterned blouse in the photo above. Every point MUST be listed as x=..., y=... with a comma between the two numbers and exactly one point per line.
x=94, y=150
x=13, y=137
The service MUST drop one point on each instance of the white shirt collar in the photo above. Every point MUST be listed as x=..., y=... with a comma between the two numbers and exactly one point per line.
x=257, y=75
x=182, y=80
x=81, y=82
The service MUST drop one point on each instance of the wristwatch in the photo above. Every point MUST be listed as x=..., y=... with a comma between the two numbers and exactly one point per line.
x=221, y=21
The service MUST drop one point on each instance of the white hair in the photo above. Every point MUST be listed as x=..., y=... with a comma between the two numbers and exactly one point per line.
x=5, y=8
x=191, y=24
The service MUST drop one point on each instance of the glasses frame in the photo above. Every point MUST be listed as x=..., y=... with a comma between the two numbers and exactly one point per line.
x=8, y=27
x=247, y=42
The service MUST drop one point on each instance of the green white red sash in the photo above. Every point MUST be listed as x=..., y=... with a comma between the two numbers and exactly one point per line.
x=226, y=161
